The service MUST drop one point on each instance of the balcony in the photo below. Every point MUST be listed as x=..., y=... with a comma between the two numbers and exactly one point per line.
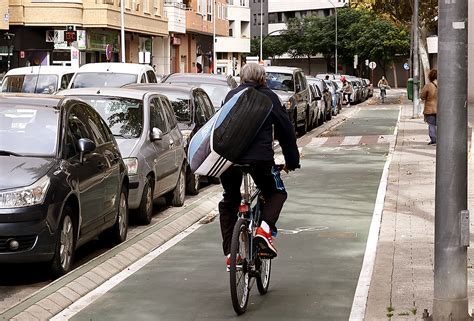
x=232, y=44
x=176, y=13
x=238, y=13
x=276, y=26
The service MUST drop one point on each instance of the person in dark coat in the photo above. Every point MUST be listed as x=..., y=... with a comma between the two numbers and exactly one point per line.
x=260, y=156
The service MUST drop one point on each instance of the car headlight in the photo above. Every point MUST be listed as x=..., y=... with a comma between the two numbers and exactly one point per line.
x=288, y=104
x=132, y=165
x=25, y=196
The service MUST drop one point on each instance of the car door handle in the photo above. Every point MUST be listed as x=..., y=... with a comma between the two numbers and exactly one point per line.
x=100, y=165
x=171, y=143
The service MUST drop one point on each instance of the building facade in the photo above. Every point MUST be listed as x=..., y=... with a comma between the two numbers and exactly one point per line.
x=229, y=49
x=38, y=29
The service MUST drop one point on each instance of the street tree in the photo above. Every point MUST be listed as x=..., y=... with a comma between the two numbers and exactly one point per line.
x=401, y=12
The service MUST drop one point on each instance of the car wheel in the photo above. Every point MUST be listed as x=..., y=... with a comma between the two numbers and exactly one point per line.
x=303, y=129
x=118, y=232
x=145, y=211
x=192, y=183
x=65, y=245
x=176, y=196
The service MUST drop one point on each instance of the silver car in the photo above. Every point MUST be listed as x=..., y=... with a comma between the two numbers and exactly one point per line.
x=149, y=140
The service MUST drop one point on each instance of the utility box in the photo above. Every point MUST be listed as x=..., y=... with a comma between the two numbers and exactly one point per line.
x=410, y=88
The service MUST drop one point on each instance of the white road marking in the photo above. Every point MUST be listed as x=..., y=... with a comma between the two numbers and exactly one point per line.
x=317, y=141
x=351, y=140
x=92, y=296
x=359, y=304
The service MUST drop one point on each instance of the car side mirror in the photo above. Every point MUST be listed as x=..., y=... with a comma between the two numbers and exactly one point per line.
x=85, y=146
x=156, y=134
x=318, y=97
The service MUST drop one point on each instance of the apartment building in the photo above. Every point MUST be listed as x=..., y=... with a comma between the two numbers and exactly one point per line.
x=38, y=29
x=229, y=49
x=192, y=27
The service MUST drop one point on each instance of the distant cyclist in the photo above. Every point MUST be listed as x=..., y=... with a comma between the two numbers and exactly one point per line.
x=260, y=156
x=383, y=86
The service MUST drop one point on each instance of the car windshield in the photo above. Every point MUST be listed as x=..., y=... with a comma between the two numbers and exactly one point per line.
x=102, y=79
x=280, y=81
x=40, y=84
x=181, y=106
x=123, y=115
x=28, y=130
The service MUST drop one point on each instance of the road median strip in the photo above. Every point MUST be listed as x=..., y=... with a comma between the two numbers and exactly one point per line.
x=58, y=295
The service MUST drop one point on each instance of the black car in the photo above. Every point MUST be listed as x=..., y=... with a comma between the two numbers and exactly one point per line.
x=216, y=86
x=193, y=108
x=62, y=180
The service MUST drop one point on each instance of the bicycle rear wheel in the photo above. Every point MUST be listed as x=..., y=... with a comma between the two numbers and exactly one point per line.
x=263, y=276
x=239, y=268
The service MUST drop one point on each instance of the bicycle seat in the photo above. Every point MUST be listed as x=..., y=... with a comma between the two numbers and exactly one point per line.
x=245, y=168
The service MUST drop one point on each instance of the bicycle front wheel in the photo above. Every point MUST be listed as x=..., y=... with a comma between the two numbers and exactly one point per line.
x=263, y=276
x=239, y=267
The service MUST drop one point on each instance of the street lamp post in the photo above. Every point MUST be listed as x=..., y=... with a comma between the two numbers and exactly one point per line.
x=214, y=56
x=261, y=30
x=335, y=51
x=122, y=30
x=9, y=36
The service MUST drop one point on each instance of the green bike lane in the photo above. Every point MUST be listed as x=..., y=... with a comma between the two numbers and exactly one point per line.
x=321, y=243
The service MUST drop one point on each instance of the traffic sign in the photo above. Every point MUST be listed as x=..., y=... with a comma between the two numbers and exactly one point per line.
x=406, y=66
x=372, y=65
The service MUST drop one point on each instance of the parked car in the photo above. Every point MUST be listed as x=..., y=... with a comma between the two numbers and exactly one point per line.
x=37, y=79
x=193, y=108
x=356, y=96
x=150, y=141
x=112, y=74
x=326, y=96
x=317, y=105
x=215, y=85
x=62, y=180
x=370, y=87
x=290, y=85
x=340, y=91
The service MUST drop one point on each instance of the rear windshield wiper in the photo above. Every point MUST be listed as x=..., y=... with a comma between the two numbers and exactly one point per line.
x=9, y=153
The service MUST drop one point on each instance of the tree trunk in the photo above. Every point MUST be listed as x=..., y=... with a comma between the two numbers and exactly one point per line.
x=424, y=59
x=309, y=65
x=395, y=79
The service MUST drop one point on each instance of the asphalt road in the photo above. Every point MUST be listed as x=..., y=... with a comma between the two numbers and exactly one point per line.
x=323, y=233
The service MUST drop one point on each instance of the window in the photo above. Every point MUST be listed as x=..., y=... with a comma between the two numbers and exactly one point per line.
x=157, y=118
x=208, y=107
x=231, y=33
x=219, y=8
x=199, y=117
x=151, y=76
x=209, y=10
x=157, y=7
x=171, y=118
x=143, y=79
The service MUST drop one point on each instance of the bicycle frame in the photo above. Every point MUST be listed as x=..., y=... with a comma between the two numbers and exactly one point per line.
x=250, y=213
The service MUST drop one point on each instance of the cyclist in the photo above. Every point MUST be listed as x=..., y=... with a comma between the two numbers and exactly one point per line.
x=260, y=156
x=383, y=85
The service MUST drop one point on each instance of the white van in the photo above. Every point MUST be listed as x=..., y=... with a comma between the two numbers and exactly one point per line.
x=37, y=79
x=112, y=74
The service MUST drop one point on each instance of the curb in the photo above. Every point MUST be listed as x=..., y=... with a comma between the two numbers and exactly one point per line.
x=63, y=292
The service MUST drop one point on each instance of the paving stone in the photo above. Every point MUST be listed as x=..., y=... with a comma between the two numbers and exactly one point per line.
x=50, y=306
x=24, y=316
x=39, y=312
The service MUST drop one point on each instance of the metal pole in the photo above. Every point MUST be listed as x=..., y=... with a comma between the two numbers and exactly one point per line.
x=122, y=30
x=416, y=62
x=335, y=58
x=214, y=56
x=451, y=216
x=261, y=30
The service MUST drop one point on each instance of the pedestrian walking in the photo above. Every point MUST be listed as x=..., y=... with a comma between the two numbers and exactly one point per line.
x=429, y=95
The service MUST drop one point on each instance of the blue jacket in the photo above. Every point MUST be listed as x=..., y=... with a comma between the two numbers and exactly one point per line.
x=262, y=147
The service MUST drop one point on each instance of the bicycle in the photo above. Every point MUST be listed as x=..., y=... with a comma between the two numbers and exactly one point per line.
x=383, y=92
x=245, y=263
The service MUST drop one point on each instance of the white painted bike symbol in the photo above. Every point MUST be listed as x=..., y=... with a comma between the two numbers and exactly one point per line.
x=302, y=229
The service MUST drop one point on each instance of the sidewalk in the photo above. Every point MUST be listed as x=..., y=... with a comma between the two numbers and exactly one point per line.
x=402, y=280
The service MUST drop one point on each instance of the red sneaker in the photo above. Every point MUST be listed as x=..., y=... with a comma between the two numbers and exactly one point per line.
x=264, y=243
x=239, y=262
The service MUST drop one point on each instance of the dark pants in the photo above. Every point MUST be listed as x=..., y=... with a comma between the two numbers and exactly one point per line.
x=431, y=120
x=273, y=192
